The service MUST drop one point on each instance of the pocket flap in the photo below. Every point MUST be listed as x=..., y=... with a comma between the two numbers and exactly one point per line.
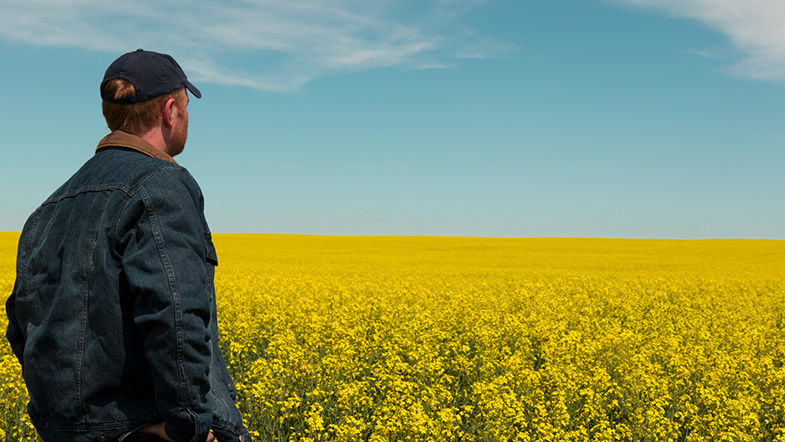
x=210, y=255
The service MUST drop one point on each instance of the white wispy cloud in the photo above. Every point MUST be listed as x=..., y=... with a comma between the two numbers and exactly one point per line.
x=755, y=27
x=273, y=45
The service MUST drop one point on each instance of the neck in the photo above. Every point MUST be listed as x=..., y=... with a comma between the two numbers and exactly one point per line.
x=155, y=137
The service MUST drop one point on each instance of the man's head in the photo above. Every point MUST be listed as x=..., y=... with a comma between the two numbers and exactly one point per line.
x=143, y=91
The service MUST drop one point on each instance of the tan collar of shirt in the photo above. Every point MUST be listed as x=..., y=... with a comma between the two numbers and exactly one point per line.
x=119, y=138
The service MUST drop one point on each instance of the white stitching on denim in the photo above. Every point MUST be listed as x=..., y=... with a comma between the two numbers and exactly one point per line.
x=85, y=315
x=155, y=230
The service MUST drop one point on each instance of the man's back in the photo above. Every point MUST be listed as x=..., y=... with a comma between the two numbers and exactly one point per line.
x=67, y=270
x=115, y=282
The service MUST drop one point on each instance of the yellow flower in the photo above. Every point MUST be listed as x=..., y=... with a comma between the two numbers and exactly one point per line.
x=415, y=338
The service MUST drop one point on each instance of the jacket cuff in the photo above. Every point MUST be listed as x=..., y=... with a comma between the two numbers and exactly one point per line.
x=180, y=434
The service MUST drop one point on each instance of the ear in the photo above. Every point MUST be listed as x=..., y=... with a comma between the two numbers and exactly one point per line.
x=168, y=112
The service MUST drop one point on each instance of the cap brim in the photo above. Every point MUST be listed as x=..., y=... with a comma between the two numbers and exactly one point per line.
x=193, y=89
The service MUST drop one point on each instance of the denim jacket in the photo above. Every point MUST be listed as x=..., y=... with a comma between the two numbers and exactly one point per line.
x=113, y=313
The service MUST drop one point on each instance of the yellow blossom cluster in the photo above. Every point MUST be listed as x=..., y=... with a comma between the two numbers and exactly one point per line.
x=15, y=425
x=489, y=339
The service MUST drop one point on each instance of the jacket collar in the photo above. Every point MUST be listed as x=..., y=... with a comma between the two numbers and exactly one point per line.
x=119, y=138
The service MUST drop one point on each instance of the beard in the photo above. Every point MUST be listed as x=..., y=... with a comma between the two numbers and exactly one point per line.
x=177, y=142
x=179, y=134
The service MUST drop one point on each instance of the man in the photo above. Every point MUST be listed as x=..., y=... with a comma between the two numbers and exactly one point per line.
x=113, y=315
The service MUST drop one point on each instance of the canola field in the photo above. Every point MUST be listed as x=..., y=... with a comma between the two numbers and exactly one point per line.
x=491, y=339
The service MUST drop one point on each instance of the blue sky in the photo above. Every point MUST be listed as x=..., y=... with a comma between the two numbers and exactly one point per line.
x=599, y=118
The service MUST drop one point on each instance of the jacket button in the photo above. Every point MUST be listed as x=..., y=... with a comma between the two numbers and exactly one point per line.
x=102, y=439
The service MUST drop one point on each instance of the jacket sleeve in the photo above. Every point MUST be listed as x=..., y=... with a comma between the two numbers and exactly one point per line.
x=163, y=261
x=15, y=333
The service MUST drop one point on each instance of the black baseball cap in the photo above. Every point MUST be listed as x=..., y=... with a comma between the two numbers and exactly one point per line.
x=151, y=73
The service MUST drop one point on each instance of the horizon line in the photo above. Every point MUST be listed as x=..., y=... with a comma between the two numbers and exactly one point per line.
x=481, y=236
